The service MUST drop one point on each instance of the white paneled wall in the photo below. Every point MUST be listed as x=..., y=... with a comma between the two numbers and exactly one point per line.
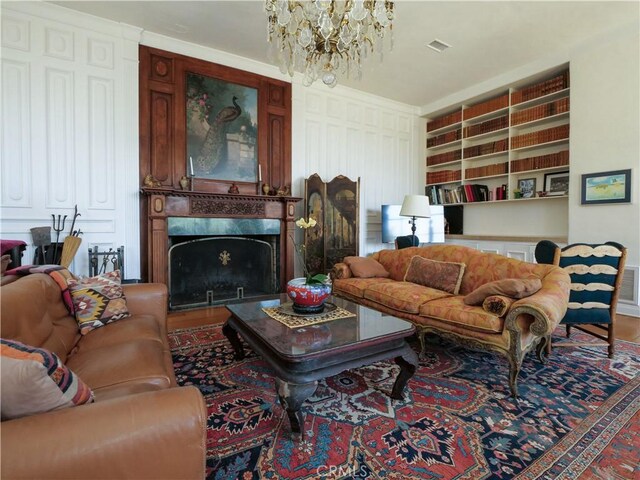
x=345, y=132
x=69, y=128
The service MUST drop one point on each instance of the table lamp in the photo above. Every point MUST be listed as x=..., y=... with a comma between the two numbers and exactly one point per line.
x=415, y=206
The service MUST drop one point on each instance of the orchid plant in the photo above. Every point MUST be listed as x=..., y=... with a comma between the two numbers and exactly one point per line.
x=318, y=278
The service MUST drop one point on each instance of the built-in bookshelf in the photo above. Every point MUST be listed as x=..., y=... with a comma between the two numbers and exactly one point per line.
x=487, y=149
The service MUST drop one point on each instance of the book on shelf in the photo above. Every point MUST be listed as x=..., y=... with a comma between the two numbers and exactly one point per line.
x=540, y=111
x=486, y=107
x=446, y=157
x=540, y=89
x=486, y=148
x=540, y=136
x=444, y=138
x=558, y=159
x=486, y=171
x=444, y=121
x=486, y=127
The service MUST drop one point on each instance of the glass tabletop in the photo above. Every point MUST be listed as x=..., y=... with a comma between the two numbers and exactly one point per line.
x=367, y=326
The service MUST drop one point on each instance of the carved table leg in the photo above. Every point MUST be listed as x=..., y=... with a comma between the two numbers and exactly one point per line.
x=292, y=396
x=234, y=340
x=408, y=364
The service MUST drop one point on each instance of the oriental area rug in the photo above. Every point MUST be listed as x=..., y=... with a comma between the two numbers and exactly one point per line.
x=577, y=416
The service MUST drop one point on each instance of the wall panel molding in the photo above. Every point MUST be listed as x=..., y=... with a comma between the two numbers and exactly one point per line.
x=69, y=128
x=16, y=146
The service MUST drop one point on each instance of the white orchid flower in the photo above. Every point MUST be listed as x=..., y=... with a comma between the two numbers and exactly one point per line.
x=302, y=223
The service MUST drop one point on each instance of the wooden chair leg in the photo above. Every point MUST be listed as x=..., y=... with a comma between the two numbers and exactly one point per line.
x=568, y=327
x=611, y=339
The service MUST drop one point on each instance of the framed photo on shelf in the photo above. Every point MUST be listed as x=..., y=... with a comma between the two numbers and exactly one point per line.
x=556, y=183
x=606, y=187
x=527, y=187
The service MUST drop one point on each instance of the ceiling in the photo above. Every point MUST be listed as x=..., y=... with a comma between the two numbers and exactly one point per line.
x=487, y=38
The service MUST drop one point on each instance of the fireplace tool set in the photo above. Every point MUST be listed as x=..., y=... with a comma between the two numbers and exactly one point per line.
x=52, y=253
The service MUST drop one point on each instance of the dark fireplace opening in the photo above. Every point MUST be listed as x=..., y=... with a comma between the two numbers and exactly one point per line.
x=214, y=270
x=214, y=261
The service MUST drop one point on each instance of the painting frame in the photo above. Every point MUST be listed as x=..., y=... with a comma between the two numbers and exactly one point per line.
x=608, y=187
x=221, y=127
x=527, y=187
x=555, y=184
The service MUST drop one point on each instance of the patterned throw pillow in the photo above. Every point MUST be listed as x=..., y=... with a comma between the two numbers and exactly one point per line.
x=446, y=276
x=34, y=380
x=98, y=301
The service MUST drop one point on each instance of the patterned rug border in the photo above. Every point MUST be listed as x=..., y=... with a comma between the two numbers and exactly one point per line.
x=575, y=437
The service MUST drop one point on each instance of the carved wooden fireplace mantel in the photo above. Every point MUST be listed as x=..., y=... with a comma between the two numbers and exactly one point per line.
x=164, y=203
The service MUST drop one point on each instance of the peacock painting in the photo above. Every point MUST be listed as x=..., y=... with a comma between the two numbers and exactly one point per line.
x=222, y=129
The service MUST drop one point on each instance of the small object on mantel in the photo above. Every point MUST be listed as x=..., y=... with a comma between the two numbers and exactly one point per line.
x=184, y=183
x=266, y=188
x=151, y=181
x=273, y=191
x=284, y=191
x=233, y=189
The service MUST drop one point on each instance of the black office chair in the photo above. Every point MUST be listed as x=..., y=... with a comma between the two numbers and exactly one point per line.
x=596, y=273
x=407, y=241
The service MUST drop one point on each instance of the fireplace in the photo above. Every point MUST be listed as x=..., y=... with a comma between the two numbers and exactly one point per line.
x=215, y=260
x=188, y=232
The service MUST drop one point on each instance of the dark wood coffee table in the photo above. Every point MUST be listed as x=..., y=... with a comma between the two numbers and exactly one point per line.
x=302, y=356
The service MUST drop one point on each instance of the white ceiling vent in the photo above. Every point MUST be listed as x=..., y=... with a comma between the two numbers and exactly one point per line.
x=438, y=45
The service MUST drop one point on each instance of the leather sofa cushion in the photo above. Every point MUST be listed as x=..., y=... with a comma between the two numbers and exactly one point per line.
x=357, y=286
x=403, y=296
x=139, y=361
x=133, y=327
x=453, y=310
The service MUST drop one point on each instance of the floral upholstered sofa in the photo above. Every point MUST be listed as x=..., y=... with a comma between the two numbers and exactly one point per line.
x=403, y=286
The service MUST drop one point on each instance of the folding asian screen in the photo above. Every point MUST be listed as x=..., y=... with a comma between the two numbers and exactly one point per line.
x=335, y=206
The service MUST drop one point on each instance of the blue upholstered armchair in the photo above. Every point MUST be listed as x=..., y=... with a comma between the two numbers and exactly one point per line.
x=596, y=274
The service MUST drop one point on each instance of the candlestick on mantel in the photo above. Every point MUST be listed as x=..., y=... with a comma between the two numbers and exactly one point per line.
x=191, y=166
x=259, y=173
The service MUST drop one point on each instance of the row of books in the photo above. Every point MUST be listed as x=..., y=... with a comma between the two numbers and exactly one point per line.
x=551, y=160
x=487, y=170
x=540, y=136
x=444, y=176
x=540, y=111
x=557, y=83
x=468, y=193
x=448, y=137
x=445, y=120
x=486, y=107
x=486, y=127
x=486, y=148
x=451, y=156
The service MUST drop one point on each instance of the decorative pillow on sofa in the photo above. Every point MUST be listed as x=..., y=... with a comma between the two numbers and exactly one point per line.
x=98, y=300
x=497, y=304
x=509, y=287
x=365, y=267
x=446, y=276
x=34, y=380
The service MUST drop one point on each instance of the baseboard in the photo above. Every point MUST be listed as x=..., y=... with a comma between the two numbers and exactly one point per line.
x=628, y=309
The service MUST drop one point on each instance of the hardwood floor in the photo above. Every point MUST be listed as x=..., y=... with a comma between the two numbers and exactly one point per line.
x=627, y=328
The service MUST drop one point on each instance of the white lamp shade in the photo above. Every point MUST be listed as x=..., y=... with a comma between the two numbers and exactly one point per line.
x=415, y=206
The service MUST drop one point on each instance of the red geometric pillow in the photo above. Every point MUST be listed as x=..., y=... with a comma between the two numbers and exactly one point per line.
x=98, y=301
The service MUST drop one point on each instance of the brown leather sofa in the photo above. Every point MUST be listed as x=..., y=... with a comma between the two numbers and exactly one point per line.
x=141, y=425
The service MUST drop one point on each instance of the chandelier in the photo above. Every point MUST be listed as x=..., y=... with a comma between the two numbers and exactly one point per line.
x=324, y=38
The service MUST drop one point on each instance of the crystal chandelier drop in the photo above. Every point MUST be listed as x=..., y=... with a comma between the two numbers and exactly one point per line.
x=325, y=38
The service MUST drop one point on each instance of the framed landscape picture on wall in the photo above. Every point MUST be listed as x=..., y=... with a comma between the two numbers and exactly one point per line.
x=606, y=187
